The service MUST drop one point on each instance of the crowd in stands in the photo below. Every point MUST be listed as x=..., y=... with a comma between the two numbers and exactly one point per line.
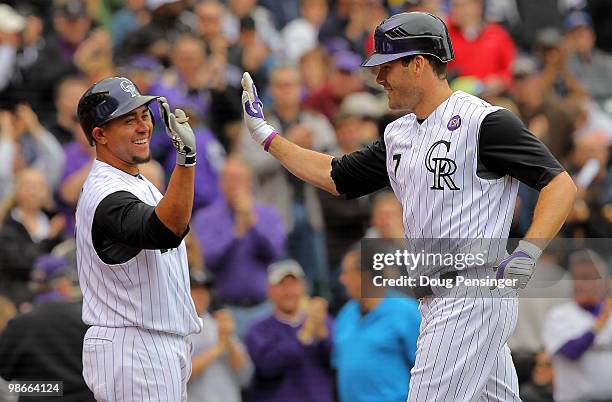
x=273, y=260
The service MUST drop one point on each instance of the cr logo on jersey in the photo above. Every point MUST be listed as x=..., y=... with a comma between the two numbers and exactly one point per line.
x=130, y=88
x=442, y=168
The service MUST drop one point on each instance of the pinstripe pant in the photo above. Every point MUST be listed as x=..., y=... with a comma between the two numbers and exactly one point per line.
x=462, y=353
x=135, y=364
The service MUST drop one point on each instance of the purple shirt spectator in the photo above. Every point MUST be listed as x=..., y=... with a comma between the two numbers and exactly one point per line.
x=285, y=368
x=76, y=158
x=239, y=264
x=195, y=103
x=210, y=158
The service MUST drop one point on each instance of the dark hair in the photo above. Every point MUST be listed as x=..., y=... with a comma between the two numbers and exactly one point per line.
x=438, y=67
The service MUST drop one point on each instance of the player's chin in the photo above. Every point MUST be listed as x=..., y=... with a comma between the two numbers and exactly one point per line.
x=141, y=158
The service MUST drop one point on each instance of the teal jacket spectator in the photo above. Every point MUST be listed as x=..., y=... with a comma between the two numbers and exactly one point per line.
x=374, y=340
x=386, y=334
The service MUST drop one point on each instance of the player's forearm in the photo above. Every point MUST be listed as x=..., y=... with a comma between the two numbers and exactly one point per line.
x=311, y=166
x=553, y=206
x=174, y=209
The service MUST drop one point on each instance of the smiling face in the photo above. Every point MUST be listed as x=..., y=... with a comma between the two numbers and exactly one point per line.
x=125, y=140
x=401, y=84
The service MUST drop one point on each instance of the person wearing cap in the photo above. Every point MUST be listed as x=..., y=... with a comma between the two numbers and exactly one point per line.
x=71, y=26
x=132, y=258
x=46, y=342
x=372, y=325
x=291, y=348
x=578, y=334
x=343, y=80
x=450, y=158
x=482, y=49
x=589, y=64
x=221, y=366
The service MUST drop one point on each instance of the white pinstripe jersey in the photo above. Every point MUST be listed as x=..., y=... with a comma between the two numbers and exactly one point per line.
x=432, y=169
x=149, y=291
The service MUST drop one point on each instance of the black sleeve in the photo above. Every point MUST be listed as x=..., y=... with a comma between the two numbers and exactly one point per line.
x=506, y=147
x=361, y=172
x=123, y=225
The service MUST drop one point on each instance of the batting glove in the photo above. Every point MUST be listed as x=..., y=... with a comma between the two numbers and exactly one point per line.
x=183, y=138
x=254, y=119
x=520, y=264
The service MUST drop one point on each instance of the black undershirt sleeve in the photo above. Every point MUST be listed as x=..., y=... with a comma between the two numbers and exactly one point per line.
x=506, y=147
x=361, y=172
x=123, y=225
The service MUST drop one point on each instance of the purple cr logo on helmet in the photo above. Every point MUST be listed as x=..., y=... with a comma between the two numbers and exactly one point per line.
x=408, y=34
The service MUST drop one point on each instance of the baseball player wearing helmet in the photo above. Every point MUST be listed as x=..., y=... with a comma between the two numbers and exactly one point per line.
x=131, y=256
x=454, y=162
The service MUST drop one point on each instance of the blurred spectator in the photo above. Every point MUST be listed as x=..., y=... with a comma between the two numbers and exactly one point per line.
x=7, y=311
x=28, y=230
x=578, y=334
x=283, y=12
x=143, y=71
x=314, y=66
x=291, y=348
x=129, y=18
x=301, y=34
x=187, y=82
x=67, y=95
x=209, y=25
x=251, y=53
x=593, y=177
x=524, y=18
x=549, y=287
x=343, y=80
x=46, y=343
x=220, y=363
x=156, y=37
x=540, y=388
x=384, y=327
x=79, y=155
x=24, y=142
x=11, y=26
x=263, y=24
x=207, y=189
x=589, y=64
x=239, y=239
x=297, y=201
x=552, y=53
x=71, y=26
x=482, y=49
x=154, y=172
x=386, y=222
x=94, y=57
x=545, y=115
x=348, y=25
x=425, y=6
x=601, y=12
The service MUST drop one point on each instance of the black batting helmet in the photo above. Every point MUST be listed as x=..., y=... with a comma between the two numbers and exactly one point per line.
x=408, y=34
x=106, y=100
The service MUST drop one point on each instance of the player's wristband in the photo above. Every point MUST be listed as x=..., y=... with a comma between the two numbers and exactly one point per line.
x=185, y=160
x=530, y=249
x=268, y=141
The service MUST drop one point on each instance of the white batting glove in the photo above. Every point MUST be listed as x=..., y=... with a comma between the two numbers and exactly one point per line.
x=253, y=112
x=183, y=138
x=519, y=265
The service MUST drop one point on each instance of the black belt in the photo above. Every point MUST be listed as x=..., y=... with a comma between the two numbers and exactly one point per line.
x=423, y=291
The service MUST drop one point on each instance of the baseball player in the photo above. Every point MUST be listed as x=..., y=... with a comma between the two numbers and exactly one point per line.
x=454, y=162
x=131, y=256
